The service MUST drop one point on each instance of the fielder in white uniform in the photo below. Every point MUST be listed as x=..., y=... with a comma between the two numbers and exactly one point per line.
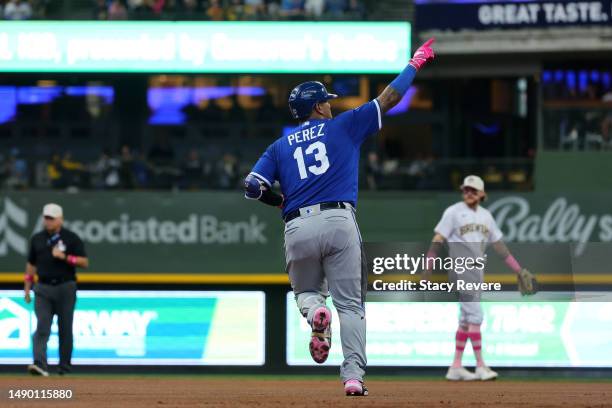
x=469, y=229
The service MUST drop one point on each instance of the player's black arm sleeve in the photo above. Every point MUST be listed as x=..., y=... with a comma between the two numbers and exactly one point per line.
x=271, y=198
x=256, y=189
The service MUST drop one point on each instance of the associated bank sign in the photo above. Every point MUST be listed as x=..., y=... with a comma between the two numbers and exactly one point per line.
x=13, y=224
x=16, y=227
x=194, y=229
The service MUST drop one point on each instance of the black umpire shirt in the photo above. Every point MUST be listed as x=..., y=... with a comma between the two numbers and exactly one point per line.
x=52, y=270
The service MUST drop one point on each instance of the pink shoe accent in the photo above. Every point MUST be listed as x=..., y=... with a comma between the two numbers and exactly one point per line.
x=353, y=387
x=321, y=319
x=320, y=342
x=319, y=349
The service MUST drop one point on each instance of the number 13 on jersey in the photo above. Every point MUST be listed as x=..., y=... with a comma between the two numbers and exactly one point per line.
x=320, y=155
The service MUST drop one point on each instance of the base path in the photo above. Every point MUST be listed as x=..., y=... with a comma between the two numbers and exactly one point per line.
x=239, y=391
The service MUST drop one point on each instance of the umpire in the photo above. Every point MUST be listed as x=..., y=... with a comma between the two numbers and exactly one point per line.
x=54, y=255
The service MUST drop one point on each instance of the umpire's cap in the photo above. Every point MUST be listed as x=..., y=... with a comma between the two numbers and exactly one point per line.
x=53, y=210
x=304, y=97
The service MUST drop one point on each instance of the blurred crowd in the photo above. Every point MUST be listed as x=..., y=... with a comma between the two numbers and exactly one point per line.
x=229, y=10
x=426, y=172
x=159, y=168
x=162, y=169
x=16, y=10
x=214, y=10
x=587, y=126
x=578, y=109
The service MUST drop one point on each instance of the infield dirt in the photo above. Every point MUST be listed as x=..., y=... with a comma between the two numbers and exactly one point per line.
x=208, y=391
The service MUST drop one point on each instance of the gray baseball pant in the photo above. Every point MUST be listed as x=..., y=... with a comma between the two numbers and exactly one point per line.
x=324, y=256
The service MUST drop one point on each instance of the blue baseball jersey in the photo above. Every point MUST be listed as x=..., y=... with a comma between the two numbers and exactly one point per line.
x=318, y=161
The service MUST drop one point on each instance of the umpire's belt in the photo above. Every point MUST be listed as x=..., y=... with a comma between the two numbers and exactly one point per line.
x=329, y=205
x=56, y=281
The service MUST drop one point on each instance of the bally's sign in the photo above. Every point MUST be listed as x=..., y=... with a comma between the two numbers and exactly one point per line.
x=562, y=221
x=511, y=14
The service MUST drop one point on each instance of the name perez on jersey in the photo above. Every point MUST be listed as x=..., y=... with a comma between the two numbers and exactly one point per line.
x=474, y=228
x=307, y=134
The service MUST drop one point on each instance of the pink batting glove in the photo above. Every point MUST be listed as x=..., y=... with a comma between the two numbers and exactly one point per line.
x=423, y=55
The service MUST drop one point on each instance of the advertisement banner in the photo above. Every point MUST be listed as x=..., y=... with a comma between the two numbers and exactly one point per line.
x=540, y=334
x=221, y=233
x=486, y=15
x=202, y=47
x=152, y=232
x=145, y=328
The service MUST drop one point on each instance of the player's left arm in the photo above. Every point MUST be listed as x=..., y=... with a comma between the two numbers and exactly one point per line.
x=495, y=238
x=394, y=92
x=258, y=184
x=502, y=250
x=257, y=189
x=527, y=283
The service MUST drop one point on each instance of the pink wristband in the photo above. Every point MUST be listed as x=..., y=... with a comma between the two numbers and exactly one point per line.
x=28, y=278
x=512, y=263
x=72, y=259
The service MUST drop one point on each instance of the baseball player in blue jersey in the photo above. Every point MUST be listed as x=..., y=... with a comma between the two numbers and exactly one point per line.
x=317, y=165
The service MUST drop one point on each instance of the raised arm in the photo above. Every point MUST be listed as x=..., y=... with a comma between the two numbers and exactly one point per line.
x=394, y=92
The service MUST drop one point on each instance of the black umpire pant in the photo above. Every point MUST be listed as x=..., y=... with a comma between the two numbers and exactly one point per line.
x=53, y=300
